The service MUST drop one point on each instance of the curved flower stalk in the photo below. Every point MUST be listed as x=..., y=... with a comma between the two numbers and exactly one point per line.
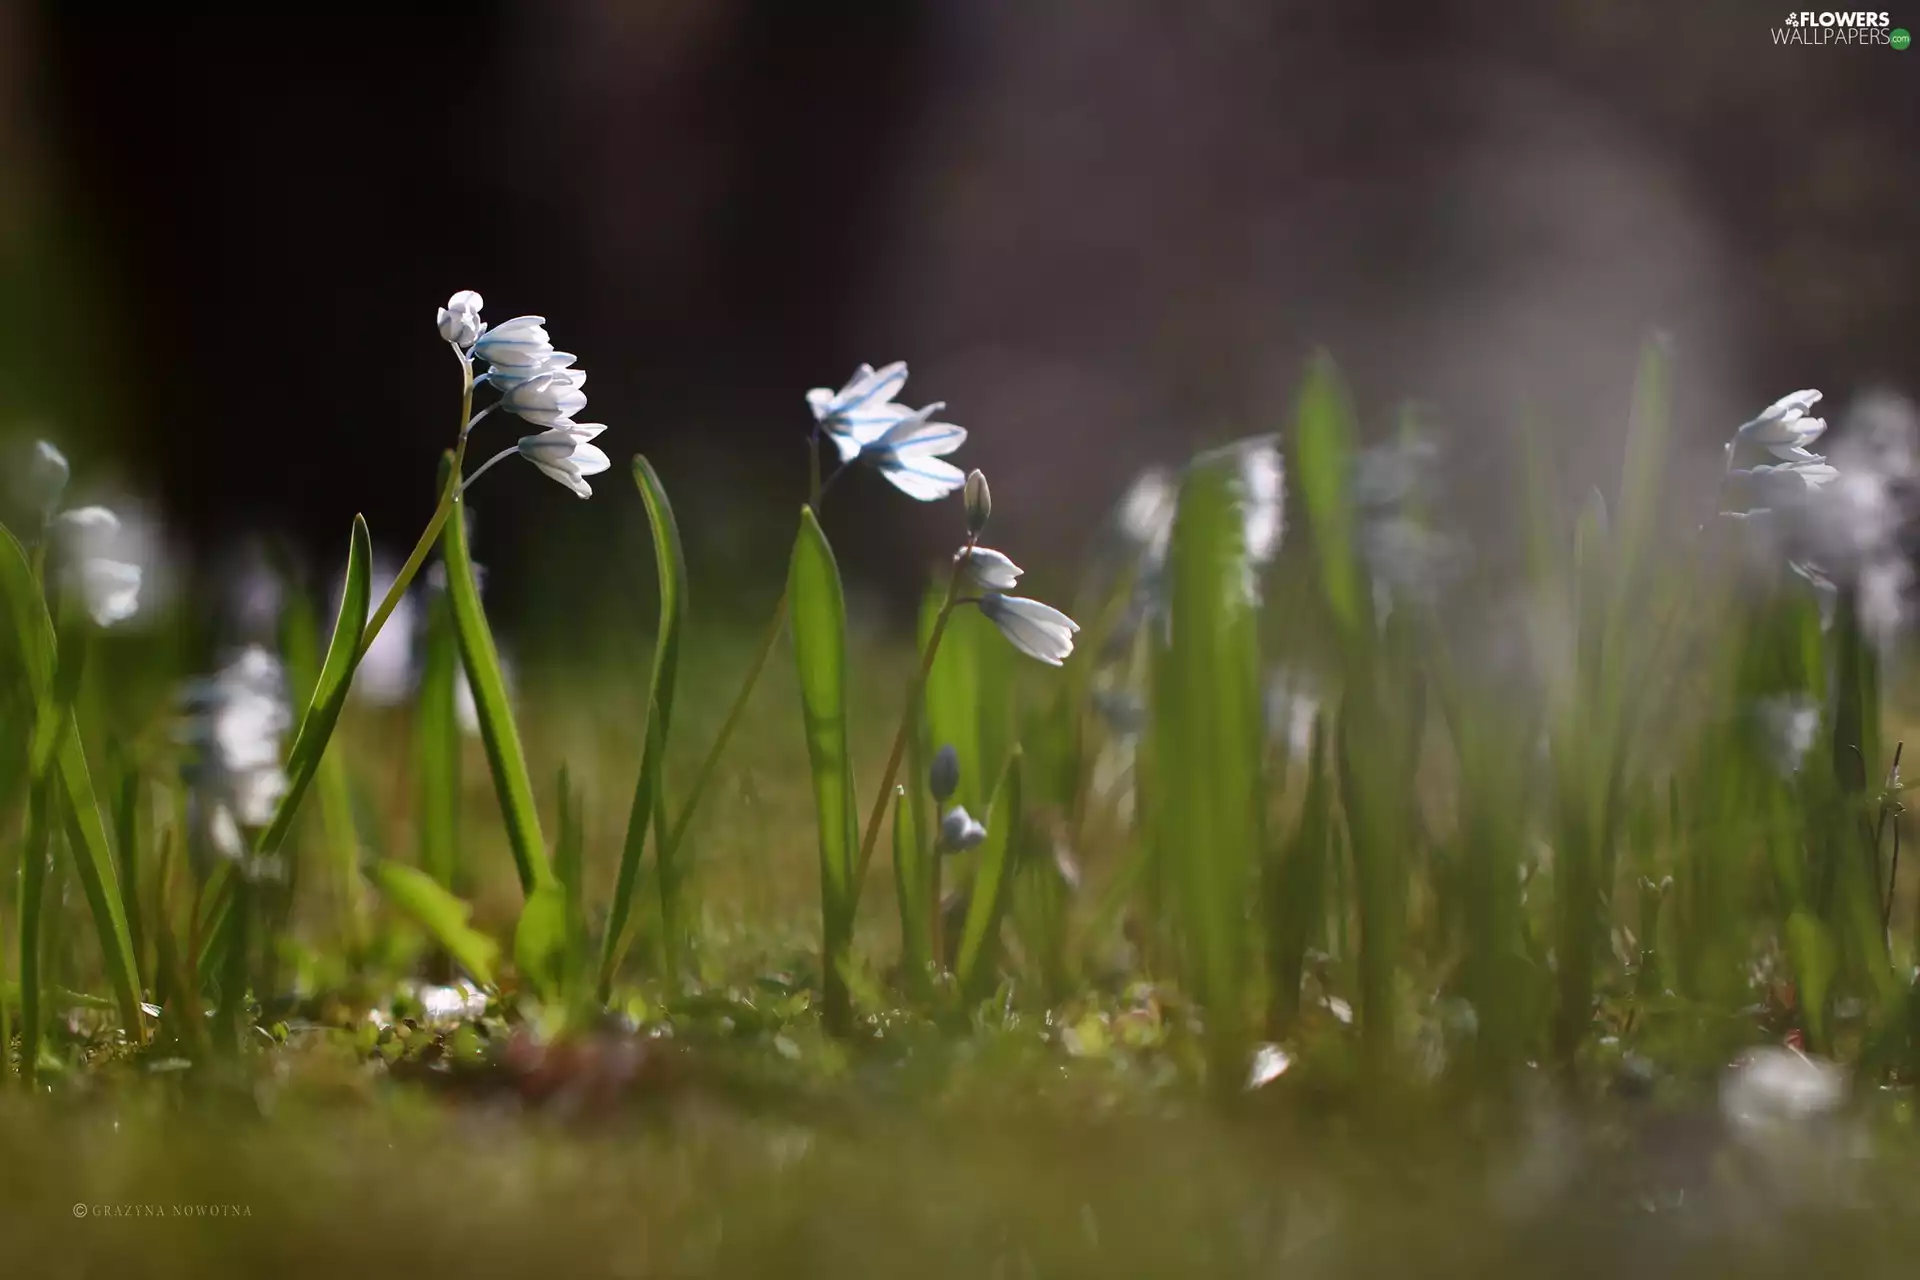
x=1036, y=629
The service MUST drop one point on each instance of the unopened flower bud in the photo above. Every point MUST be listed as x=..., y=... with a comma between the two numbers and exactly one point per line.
x=943, y=778
x=979, y=501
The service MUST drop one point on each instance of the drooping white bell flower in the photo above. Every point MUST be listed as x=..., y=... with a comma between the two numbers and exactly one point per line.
x=519, y=343
x=505, y=377
x=862, y=410
x=1784, y=428
x=565, y=454
x=909, y=454
x=45, y=478
x=547, y=399
x=1787, y=725
x=109, y=587
x=959, y=832
x=991, y=569
x=459, y=320
x=1037, y=630
x=1785, y=483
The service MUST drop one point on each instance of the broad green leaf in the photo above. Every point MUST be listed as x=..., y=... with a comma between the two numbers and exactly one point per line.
x=505, y=757
x=540, y=939
x=444, y=917
x=1325, y=445
x=819, y=621
x=649, y=793
x=329, y=692
x=992, y=877
x=1208, y=751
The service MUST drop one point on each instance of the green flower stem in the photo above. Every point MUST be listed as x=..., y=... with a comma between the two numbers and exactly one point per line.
x=908, y=718
x=432, y=533
x=664, y=855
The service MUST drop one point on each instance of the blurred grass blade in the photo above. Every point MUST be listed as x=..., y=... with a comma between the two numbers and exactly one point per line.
x=28, y=912
x=329, y=691
x=438, y=748
x=1296, y=887
x=540, y=939
x=506, y=759
x=1208, y=750
x=1325, y=442
x=299, y=645
x=92, y=852
x=913, y=885
x=819, y=621
x=444, y=917
x=992, y=878
x=649, y=794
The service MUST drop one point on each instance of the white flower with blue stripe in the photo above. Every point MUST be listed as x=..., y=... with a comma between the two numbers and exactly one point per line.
x=862, y=410
x=911, y=453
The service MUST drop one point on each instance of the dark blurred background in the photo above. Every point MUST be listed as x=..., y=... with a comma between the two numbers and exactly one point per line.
x=1104, y=232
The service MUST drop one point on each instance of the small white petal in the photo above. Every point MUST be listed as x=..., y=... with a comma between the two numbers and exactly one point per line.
x=991, y=569
x=959, y=832
x=1037, y=630
x=110, y=588
x=46, y=477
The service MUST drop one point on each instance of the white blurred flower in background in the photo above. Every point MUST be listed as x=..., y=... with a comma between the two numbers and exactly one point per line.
x=236, y=722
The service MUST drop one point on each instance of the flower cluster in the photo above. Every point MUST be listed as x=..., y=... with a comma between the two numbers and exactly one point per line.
x=1779, y=494
x=535, y=383
x=1035, y=629
x=235, y=721
x=903, y=444
x=88, y=539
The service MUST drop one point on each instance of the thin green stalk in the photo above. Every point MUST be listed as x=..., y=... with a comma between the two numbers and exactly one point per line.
x=704, y=774
x=431, y=534
x=909, y=717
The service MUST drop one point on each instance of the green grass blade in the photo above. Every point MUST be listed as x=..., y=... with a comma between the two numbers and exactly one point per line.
x=437, y=745
x=1297, y=887
x=505, y=757
x=1207, y=725
x=329, y=692
x=649, y=794
x=33, y=878
x=1325, y=442
x=300, y=646
x=914, y=887
x=992, y=878
x=819, y=622
x=445, y=918
x=93, y=853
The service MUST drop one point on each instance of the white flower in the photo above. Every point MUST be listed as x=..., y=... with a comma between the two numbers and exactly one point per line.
x=459, y=320
x=565, y=455
x=547, y=399
x=504, y=378
x=237, y=720
x=1773, y=1088
x=909, y=452
x=518, y=343
x=992, y=570
x=959, y=832
x=1784, y=483
x=860, y=412
x=45, y=479
x=1784, y=429
x=108, y=586
x=1037, y=630
x=1788, y=724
